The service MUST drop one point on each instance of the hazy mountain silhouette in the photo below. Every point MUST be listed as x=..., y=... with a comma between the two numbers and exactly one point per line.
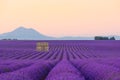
x=22, y=33
x=75, y=38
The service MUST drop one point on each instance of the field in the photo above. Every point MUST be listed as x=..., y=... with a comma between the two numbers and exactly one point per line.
x=65, y=60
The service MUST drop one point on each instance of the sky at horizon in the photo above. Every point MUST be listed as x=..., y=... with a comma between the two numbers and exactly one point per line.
x=62, y=17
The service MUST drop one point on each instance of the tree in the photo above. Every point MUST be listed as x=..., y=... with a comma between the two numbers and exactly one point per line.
x=101, y=38
x=112, y=38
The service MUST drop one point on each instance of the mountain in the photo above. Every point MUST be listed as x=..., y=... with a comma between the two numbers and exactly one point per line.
x=75, y=38
x=22, y=33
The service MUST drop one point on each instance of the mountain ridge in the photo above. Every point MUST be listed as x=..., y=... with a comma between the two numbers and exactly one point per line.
x=22, y=33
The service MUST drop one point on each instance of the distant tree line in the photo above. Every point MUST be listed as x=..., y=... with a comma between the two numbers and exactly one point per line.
x=9, y=39
x=104, y=38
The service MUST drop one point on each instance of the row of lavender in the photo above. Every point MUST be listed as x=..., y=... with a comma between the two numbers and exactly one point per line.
x=72, y=50
x=66, y=60
x=92, y=69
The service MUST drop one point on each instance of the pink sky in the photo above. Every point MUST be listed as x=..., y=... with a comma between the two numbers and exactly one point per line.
x=62, y=17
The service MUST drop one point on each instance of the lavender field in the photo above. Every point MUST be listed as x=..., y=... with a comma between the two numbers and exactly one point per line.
x=65, y=60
